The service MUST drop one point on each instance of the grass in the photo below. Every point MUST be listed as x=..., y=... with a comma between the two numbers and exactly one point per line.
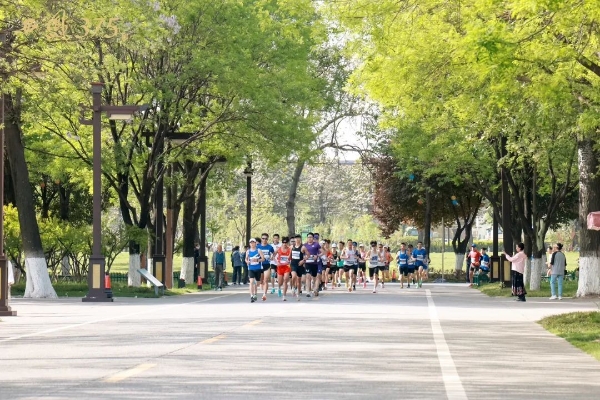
x=581, y=329
x=76, y=289
x=494, y=290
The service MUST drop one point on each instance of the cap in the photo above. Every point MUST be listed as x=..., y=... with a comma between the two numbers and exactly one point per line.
x=473, y=245
x=334, y=245
x=361, y=245
x=252, y=240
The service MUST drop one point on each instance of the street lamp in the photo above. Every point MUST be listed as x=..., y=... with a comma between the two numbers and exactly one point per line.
x=96, y=270
x=248, y=172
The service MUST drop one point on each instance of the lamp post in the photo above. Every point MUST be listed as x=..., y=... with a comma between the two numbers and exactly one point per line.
x=248, y=172
x=97, y=268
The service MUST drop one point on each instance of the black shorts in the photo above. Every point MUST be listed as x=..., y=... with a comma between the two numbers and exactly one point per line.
x=333, y=269
x=254, y=273
x=299, y=270
x=362, y=266
x=312, y=269
x=273, y=266
x=347, y=268
x=473, y=269
x=373, y=271
x=266, y=267
x=404, y=271
x=411, y=270
x=384, y=267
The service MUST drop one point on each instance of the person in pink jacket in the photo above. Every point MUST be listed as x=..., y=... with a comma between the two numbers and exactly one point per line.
x=518, y=268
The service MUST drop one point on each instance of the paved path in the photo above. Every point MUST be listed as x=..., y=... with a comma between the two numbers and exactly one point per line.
x=438, y=342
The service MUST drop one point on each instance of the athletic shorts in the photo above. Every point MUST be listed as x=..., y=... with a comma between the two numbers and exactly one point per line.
x=273, y=266
x=254, y=273
x=320, y=268
x=266, y=267
x=333, y=269
x=425, y=267
x=283, y=269
x=474, y=268
x=299, y=270
x=362, y=266
x=312, y=269
x=374, y=271
x=384, y=267
x=354, y=268
x=404, y=271
x=411, y=269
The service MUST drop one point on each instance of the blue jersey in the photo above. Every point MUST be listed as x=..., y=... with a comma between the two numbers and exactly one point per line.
x=485, y=261
x=254, y=257
x=268, y=252
x=402, y=258
x=420, y=256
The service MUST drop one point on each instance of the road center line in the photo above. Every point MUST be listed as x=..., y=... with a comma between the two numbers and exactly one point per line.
x=213, y=339
x=135, y=314
x=249, y=324
x=452, y=382
x=120, y=376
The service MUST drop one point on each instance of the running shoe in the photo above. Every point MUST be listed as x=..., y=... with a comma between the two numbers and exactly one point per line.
x=264, y=297
x=374, y=291
x=365, y=285
x=251, y=299
x=354, y=287
x=308, y=295
x=409, y=285
x=273, y=291
x=382, y=285
x=279, y=293
x=284, y=299
x=316, y=293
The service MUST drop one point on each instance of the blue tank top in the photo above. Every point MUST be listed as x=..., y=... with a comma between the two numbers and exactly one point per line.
x=254, y=264
x=403, y=258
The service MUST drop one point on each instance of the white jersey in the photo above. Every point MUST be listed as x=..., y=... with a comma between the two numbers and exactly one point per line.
x=275, y=248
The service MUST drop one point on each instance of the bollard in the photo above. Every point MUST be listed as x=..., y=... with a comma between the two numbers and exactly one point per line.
x=394, y=277
x=107, y=286
x=199, y=282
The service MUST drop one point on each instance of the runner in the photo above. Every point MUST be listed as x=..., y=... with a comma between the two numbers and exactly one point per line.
x=297, y=266
x=420, y=257
x=485, y=260
x=386, y=265
x=402, y=260
x=312, y=251
x=350, y=257
x=333, y=269
x=283, y=257
x=362, y=265
x=411, y=265
x=475, y=258
x=326, y=258
x=340, y=264
x=276, y=245
x=254, y=259
x=267, y=251
x=381, y=262
x=373, y=257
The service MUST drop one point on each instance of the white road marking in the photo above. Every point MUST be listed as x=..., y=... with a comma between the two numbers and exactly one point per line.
x=134, y=314
x=452, y=382
x=128, y=373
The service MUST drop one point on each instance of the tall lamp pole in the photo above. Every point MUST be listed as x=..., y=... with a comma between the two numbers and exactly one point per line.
x=97, y=268
x=248, y=172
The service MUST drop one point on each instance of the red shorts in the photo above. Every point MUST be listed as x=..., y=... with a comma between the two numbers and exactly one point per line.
x=283, y=269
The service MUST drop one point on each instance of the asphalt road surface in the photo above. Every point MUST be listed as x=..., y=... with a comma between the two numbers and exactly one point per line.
x=437, y=342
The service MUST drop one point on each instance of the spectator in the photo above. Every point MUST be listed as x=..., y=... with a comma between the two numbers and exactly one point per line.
x=218, y=265
x=518, y=268
x=245, y=265
x=236, y=261
x=548, y=261
x=558, y=264
x=11, y=276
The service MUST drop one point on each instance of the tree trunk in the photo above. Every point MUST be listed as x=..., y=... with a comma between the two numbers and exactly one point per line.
x=134, y=279
x=459, y=262
x=528, y=266
x=290, y=204
x=589, y=200
x=187, y=267
x=427, y=227
x=536, y=274
x=38, y=280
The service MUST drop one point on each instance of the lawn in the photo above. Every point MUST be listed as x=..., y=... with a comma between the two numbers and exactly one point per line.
x=75, y=289
x=494, y=289
x=581, y=329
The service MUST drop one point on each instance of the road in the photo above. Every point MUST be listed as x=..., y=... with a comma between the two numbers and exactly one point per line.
x=443, y=341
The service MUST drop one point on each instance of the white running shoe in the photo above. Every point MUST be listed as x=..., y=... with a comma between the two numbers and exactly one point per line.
x=553, y=298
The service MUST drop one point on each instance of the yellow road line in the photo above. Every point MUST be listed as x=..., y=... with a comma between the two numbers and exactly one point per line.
x=256, y=322
x=213, y=339
x=128, y=373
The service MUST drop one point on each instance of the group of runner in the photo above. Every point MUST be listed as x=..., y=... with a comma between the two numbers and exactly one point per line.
x=316, y=265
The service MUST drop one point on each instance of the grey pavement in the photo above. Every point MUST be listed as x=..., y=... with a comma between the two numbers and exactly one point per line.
x=443, y=341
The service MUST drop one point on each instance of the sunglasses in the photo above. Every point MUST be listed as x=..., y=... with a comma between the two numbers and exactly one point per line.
x=264, y=238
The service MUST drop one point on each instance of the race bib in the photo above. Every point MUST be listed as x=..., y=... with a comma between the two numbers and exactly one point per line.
x=295, y=255
x=284, y=260
x=473, y=260
x=402, y=261
x=484, y=263
x=419, y=257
